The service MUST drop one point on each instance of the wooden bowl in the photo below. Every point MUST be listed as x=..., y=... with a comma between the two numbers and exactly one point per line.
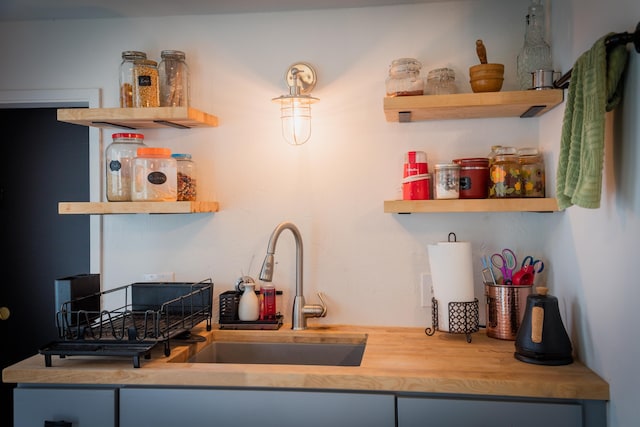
x=486, y=77
x=486, y=85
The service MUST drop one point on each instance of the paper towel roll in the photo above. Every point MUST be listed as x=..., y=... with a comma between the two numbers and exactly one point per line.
x=452, y=276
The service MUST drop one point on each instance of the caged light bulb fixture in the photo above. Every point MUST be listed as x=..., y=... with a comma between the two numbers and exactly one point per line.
x=295, y=107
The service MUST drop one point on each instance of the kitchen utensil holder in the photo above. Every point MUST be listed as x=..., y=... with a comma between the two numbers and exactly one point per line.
x=463, y=317
x=505, y=309
x=229, y=301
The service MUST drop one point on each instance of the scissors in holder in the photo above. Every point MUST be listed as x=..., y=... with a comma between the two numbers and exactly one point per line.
x=506, y=263
x=535, y=265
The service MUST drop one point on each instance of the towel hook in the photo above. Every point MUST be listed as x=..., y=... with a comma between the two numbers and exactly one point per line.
x=610, y=42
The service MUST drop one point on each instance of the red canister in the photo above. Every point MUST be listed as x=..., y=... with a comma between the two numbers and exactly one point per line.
x=415, y=182
x=474, y=177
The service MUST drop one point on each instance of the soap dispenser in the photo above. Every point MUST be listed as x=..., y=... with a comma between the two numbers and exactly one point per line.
x=249, y=305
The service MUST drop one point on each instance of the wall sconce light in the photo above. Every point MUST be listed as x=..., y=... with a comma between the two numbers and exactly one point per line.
x=295, y=108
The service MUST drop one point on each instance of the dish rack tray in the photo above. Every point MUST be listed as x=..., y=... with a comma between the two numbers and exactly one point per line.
x=141, y=316
x=229, y=301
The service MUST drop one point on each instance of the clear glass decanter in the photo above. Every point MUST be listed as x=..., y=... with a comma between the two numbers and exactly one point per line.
x=536, y=52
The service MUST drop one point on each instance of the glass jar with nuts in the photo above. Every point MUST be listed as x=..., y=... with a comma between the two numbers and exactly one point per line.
x=186, y=177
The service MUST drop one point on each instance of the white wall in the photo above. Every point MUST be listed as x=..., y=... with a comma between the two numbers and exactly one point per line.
x=368, y=263
x=594, y=250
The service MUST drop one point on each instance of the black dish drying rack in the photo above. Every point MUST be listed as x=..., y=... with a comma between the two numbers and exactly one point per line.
x=144, y=315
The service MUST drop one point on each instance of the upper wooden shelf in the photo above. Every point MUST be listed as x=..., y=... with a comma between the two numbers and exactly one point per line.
x=106, y=208
x=138, y=118
x=528, y=103
x=471, y=205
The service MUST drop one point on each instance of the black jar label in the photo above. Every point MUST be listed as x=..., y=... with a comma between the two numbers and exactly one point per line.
x=115, y=166
x=144, y=80
x=157, y=178
x=465, y=183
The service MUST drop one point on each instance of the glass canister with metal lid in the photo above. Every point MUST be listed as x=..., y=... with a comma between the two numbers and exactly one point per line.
x=127, y=79
x=145, y=88
x=532, y=173
x=173, y=75
x=404, y=78
x=441, y=81
x=447, y=181
x=504, y=174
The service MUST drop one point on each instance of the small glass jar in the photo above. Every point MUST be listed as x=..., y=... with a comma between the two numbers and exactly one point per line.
x=404, y=78
x=173, y=74
x=127, y=78
x=119, y=156
x=447, y=181
x=531, y=172
x=155, y=177
x=504, y=177
x=441, y=81
x=186, y=177
x=145, y=89
x=493, y=153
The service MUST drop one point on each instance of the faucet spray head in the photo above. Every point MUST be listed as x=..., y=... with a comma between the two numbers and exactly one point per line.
x=266, y=274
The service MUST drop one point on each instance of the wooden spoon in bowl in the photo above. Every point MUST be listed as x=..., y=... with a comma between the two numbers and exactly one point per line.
x=481, y=51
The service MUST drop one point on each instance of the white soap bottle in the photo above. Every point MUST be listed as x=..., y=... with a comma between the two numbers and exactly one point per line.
x=249, y=305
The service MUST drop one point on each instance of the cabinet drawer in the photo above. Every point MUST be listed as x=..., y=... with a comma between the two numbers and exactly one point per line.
x=81, y=407
x=425, y=412
x=264, y=408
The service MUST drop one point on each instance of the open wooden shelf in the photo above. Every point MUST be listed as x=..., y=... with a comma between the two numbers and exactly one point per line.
x=107, y=208
x=471, y=205
x=138, y=118
x=529, y=103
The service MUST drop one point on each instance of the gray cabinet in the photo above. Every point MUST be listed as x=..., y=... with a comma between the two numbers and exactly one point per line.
x=264, y=408
x=182, y=406
x=82, y=407
x=425, y=412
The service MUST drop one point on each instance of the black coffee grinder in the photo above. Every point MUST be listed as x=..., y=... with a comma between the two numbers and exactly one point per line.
x=542, y=338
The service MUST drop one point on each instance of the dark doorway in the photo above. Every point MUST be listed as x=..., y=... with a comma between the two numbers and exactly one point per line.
x=43, y=162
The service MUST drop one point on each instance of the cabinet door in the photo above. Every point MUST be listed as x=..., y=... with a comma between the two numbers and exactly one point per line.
x=425, y=412
x=80, y=407
x=268, y=408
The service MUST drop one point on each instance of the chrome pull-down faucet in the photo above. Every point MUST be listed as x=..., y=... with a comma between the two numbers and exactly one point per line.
x=300, y=311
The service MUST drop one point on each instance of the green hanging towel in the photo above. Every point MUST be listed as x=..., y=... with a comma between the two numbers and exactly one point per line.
x=595, y=88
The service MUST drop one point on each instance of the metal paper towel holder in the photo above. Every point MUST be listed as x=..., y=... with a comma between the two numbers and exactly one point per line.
x=463, y=318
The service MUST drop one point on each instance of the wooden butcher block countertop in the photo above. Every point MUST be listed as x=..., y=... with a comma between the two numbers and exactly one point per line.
x=395, y=359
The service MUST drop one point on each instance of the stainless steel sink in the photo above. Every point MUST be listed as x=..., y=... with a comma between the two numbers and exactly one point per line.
x=282, y=353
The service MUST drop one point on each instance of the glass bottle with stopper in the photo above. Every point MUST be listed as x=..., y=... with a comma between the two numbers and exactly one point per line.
x=536, y=52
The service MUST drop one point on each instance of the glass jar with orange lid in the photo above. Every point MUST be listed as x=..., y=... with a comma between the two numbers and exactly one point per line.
x=154, y=176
